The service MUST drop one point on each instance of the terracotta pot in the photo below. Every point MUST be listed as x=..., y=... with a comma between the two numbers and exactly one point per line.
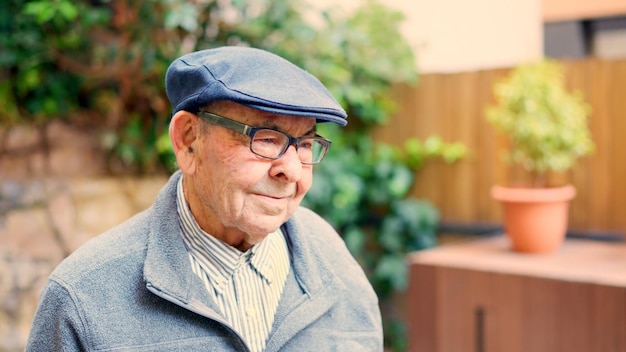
x=535, y=219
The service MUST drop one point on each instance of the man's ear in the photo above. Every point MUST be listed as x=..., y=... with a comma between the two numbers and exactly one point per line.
x=184, y=131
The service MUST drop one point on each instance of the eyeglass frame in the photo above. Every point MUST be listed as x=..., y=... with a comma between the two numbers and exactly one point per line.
x=250, y=131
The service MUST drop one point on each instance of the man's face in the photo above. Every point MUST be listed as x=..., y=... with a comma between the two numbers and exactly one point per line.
x=237, y=195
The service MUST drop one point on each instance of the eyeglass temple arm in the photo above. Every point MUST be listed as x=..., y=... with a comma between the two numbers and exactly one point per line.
x=226, y=122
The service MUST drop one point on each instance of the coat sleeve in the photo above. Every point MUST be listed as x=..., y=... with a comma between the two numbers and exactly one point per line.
x=57, y=325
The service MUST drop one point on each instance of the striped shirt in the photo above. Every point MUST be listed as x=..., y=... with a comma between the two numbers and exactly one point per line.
x=245, y=285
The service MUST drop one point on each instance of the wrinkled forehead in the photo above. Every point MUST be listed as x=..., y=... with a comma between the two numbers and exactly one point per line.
x=259, y=118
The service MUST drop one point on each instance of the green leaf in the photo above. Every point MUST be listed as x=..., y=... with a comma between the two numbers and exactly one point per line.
x=392, y=234
x=355, y=240
x=393, y=269
x=67, y=10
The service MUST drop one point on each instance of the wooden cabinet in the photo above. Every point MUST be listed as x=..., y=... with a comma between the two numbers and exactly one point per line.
x=479, y=296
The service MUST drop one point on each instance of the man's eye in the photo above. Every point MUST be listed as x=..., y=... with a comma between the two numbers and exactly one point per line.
x=267, y=140
x=306, y=144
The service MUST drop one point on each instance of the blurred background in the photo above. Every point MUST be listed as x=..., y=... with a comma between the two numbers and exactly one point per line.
x=83, y=124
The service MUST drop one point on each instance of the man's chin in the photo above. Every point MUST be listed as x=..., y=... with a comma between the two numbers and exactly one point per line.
x=268, y=223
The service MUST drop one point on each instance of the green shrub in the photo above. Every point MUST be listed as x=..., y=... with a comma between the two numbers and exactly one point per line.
x=546, y=125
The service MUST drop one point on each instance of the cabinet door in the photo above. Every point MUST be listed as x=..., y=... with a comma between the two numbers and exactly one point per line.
x=452, y=310
x=422, y=318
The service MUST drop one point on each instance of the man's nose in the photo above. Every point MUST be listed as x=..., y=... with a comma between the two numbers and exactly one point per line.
x=288, y=166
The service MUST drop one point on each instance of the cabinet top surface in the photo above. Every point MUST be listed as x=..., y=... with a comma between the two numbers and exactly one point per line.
x=576, y=260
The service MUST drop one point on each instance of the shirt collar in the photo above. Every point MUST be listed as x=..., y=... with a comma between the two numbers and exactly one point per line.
x=220, y=260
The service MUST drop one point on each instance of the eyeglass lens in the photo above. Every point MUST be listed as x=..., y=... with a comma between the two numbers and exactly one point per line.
x=272, y=144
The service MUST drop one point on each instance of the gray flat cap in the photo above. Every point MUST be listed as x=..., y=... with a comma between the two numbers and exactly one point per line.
x=251, y=77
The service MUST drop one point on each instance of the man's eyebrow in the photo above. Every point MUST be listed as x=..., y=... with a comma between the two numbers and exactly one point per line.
x=310, y=133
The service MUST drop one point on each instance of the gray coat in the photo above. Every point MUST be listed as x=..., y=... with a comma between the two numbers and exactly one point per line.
x=132, y=289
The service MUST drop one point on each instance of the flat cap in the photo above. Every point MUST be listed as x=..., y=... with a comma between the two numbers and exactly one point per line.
x=251, y=77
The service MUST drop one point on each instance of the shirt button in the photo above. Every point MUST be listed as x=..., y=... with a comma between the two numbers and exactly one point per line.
x=220, y=281
x=250, y=311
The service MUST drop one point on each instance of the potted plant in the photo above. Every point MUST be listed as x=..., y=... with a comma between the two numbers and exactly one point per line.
x=546, y=129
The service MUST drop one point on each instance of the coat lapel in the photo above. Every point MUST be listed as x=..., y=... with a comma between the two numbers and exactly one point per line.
x=309, y=291
x=167, y=270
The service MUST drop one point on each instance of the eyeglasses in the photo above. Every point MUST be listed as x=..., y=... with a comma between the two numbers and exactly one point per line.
x=272, y=144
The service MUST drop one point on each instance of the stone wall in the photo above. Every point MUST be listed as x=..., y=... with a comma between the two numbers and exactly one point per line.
x=53, y=198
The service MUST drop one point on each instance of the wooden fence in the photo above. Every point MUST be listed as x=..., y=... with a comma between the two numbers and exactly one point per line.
x=452, y=106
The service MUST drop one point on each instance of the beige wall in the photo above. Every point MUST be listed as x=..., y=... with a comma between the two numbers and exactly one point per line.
x=558, y=10
x=460, y=35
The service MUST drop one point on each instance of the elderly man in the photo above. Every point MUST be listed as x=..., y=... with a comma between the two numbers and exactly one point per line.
x=225, y=259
